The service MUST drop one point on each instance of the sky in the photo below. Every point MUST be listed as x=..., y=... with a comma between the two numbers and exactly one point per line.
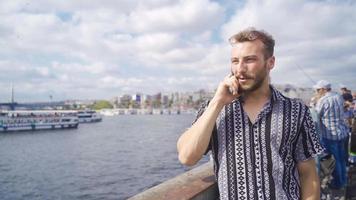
x=83, y=49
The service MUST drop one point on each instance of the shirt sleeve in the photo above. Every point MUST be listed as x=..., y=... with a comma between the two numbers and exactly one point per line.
x=308, y=142
x=201, y=110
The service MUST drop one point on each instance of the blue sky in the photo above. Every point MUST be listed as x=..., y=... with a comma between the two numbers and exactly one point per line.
x=99, y=49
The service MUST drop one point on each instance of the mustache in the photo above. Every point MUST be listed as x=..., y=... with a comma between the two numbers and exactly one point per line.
x=239, y=76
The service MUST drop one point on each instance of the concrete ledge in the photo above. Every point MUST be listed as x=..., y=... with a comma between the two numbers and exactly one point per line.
x=197, y=184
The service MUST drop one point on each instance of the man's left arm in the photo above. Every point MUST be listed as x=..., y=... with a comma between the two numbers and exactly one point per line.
x=309, y=180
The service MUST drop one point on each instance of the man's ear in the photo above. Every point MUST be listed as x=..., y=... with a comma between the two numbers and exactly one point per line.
x=270, y=62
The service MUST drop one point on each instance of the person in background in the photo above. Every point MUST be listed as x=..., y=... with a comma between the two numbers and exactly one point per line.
x=348, y=106
x=348, y=115
x=354, y=103
x=346, y=94
x=349, y=112
x=333, y=130
x=353, y=131
x=352, y=158
x=263, y=144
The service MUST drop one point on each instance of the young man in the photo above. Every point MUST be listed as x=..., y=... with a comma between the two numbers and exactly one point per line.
x=262, y=143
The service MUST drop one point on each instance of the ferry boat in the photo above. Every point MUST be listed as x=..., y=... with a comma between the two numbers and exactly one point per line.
x=88, y=116
x=37, y=120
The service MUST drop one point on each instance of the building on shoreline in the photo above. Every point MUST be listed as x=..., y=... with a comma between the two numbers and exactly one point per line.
x=165, y=101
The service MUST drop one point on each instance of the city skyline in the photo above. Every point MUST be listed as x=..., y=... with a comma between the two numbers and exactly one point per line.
x=132, y=94
x=77, y=50
x=173, y=100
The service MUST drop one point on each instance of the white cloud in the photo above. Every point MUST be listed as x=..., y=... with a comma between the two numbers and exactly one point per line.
x=76, y=49
x=186, y=15
x=157, y=42
x=318, y=36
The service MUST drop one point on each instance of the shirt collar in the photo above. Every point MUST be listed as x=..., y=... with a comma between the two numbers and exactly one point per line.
x=276, y=95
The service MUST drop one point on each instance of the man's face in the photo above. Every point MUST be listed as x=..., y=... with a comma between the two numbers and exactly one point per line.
x=249, y=65
x=321, y=91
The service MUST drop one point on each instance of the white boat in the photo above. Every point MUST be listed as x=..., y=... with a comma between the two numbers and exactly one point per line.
x=88, y=116
x=37, y=120
x=108, y=112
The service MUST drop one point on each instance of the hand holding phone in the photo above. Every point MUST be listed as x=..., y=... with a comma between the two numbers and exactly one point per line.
x=234, y=87
x=228, y=90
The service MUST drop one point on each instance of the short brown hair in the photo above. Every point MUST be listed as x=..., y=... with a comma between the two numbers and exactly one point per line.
x=252, y=34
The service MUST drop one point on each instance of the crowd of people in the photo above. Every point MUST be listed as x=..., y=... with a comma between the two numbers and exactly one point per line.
x=334, y=114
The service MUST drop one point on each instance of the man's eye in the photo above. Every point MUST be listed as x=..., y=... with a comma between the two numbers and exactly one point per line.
x=250, y=59
x=235, y=62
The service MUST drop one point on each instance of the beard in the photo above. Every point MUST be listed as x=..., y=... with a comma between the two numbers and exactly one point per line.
x=254, y=81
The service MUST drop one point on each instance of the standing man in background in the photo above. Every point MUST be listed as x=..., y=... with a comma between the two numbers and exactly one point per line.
x=262, y=142
x=334, y=132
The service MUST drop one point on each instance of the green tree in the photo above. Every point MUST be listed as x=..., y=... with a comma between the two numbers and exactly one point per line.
x=102, y=104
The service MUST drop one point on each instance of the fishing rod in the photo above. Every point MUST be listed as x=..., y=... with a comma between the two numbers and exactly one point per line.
x=312, y=80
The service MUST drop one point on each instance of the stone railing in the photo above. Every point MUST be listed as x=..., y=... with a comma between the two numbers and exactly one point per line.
x=196, y=184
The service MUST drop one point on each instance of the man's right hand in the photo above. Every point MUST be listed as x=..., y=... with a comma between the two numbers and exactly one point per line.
x=193, y=143
x=228, y=90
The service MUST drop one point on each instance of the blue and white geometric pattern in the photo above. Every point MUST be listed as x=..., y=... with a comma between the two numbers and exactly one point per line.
x=259, y=160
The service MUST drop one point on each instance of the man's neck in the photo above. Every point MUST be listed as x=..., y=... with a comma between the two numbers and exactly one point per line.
x=253, y=102
x=259, y=96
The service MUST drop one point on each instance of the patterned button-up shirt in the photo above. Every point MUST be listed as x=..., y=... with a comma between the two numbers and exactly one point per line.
x=331, y=111
x=259, y=160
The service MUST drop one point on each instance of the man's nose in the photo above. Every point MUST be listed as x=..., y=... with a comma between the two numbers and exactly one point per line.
x=240, y=68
